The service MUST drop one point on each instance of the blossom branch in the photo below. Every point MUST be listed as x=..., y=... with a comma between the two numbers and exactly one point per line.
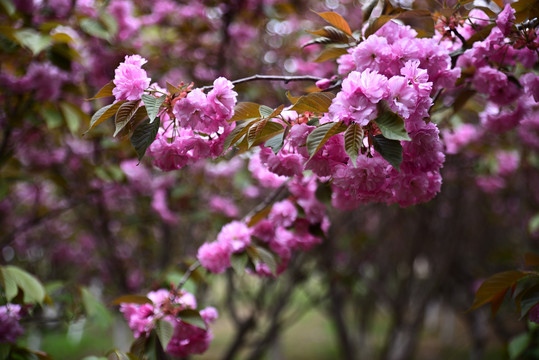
x=187, y=274
x=257, y=77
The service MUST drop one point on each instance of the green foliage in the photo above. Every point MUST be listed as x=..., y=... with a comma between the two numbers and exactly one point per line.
x=95, y=310
x=153, y=105
x=14, y=279
x=104, y=113
x=353, y=139
x=317, y=102
x=164, y=331
x=392, y=126
x=192, y=317
x=391, y=150
x=320, y=136
x=143, y=136
x=258, y=254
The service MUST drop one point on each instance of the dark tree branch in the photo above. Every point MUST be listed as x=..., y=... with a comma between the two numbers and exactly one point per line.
x=284, y=78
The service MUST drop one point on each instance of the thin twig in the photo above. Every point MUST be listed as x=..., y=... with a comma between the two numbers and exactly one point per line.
x=187, y=274
x=267, y=201
x=257, y=77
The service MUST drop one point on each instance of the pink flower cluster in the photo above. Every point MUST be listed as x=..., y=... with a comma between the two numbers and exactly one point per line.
x=396, y=67
x=187, y=339
x=233, y=238
x=507, y=101
x=130, y=79
x=10, y=328
x=283, y=231
x=197, y=127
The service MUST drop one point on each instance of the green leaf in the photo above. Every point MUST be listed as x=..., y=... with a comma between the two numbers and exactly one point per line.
x=533, y=224
x=276, y=142
x=34, y=292
x=259, y=216
x=105, y=91
x=131, y=299
x=265, y=111
x=172, y=90
x=392, y=126
x=353, y=138
x=518, y=345
x=5, y=349
x=95, y=310
x=103, y=114
x=496, y=284
x=138, y=118
x=337, y=21
x=330, y=32
x=117, y=355
x=245, y=111
x=153, y=105
x=239, y=262
x=192, y=317
x=255, y=130
x=236, y=134
x=33, y=40
x=267, y=258
x=292, y=99
x=53, y=118
x=9, y=8
x=319, y=136
x=164, y=331
x=143, y=136
x=320, y=40
x=9, y=285
x=72, y=115
x=125, y=114
x=94, y=28
x=529, y=299
x=391, y=150
x=314, y=102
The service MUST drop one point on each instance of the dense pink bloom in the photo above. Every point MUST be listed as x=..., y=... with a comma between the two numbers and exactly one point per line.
x=402, y=97
x=283, y=213
x=215, y=256
x=460, y=137
x=282, y=163
x=373, y=53
x=529, y=130
x=508, y=162
x=222, y=99
x=223, y=205
x=490, y=184
x=130, y=79
x=356, y=102
x=424, y=152
x=187, y=339
x=191, y=112
x=499, y=119
x=505, y=19
x=414, y=188
x=122, y=10
x=140, y=318
x=10, y=328
x=530, y=82
x=236, y=234
x=160, y=206
x=489, y=80
x=265, y=177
